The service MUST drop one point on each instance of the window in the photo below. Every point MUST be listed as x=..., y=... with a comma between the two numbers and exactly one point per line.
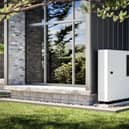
x=64, y=42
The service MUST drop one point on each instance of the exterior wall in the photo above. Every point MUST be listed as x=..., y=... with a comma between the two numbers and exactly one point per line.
x=16, y=67
x=65, y=95
x=16, y=49
x=105, y=34
x=101, y=35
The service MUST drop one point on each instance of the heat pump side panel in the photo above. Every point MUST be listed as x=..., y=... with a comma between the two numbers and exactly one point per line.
x=113, y=81
x=102, y=75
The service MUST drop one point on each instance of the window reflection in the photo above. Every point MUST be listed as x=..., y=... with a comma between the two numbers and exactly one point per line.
x=59, y=11
x=58, y=33
x=80, y=46
x=80, y=8
x=59, y=53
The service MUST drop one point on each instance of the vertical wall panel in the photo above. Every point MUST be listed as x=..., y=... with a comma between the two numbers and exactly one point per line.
x=105, y=34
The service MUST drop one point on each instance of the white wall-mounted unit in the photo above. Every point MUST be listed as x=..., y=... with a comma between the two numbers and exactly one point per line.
x=113, y=75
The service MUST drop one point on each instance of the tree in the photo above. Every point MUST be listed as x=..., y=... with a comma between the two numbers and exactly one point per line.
x=12, y=7
x=116, y=9
x=57, y=42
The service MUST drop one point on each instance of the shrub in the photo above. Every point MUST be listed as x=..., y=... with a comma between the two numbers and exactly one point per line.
x=63, y=73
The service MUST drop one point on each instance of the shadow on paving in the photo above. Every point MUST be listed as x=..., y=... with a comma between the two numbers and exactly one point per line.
x=59, y=122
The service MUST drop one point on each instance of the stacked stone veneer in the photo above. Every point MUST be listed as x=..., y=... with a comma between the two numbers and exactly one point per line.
x=16, y=49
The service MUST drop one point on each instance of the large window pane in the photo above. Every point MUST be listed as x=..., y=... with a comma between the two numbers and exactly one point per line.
x=56, y=34
x=34, y=42
x=59, y=11
x=80, y=9
x=59, y=53
x=80, y=52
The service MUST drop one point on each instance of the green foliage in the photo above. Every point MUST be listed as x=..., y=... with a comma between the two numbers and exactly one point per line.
x=29, y=116
x=115, y=9
x=1, y=48
x=59, y=49
x=63, y=73
x=13, y=7
x=80, y=65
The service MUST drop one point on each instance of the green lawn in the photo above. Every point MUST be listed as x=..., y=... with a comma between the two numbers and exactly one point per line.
x=27, y=116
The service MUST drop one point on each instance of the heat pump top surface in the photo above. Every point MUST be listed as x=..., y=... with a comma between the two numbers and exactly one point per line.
x=113, y=75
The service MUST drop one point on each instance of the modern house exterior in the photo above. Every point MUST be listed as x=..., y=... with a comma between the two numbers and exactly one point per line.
x=51, y=52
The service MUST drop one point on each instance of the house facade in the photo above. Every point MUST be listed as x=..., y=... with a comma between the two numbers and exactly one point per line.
x=51, y=52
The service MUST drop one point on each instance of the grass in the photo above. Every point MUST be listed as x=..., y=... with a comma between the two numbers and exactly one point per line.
x=27, y=116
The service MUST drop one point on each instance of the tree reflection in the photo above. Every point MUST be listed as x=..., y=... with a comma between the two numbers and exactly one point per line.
x=60, y=44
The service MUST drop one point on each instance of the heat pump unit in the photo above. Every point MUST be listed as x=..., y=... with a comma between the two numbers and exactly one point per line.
x=113, y=75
